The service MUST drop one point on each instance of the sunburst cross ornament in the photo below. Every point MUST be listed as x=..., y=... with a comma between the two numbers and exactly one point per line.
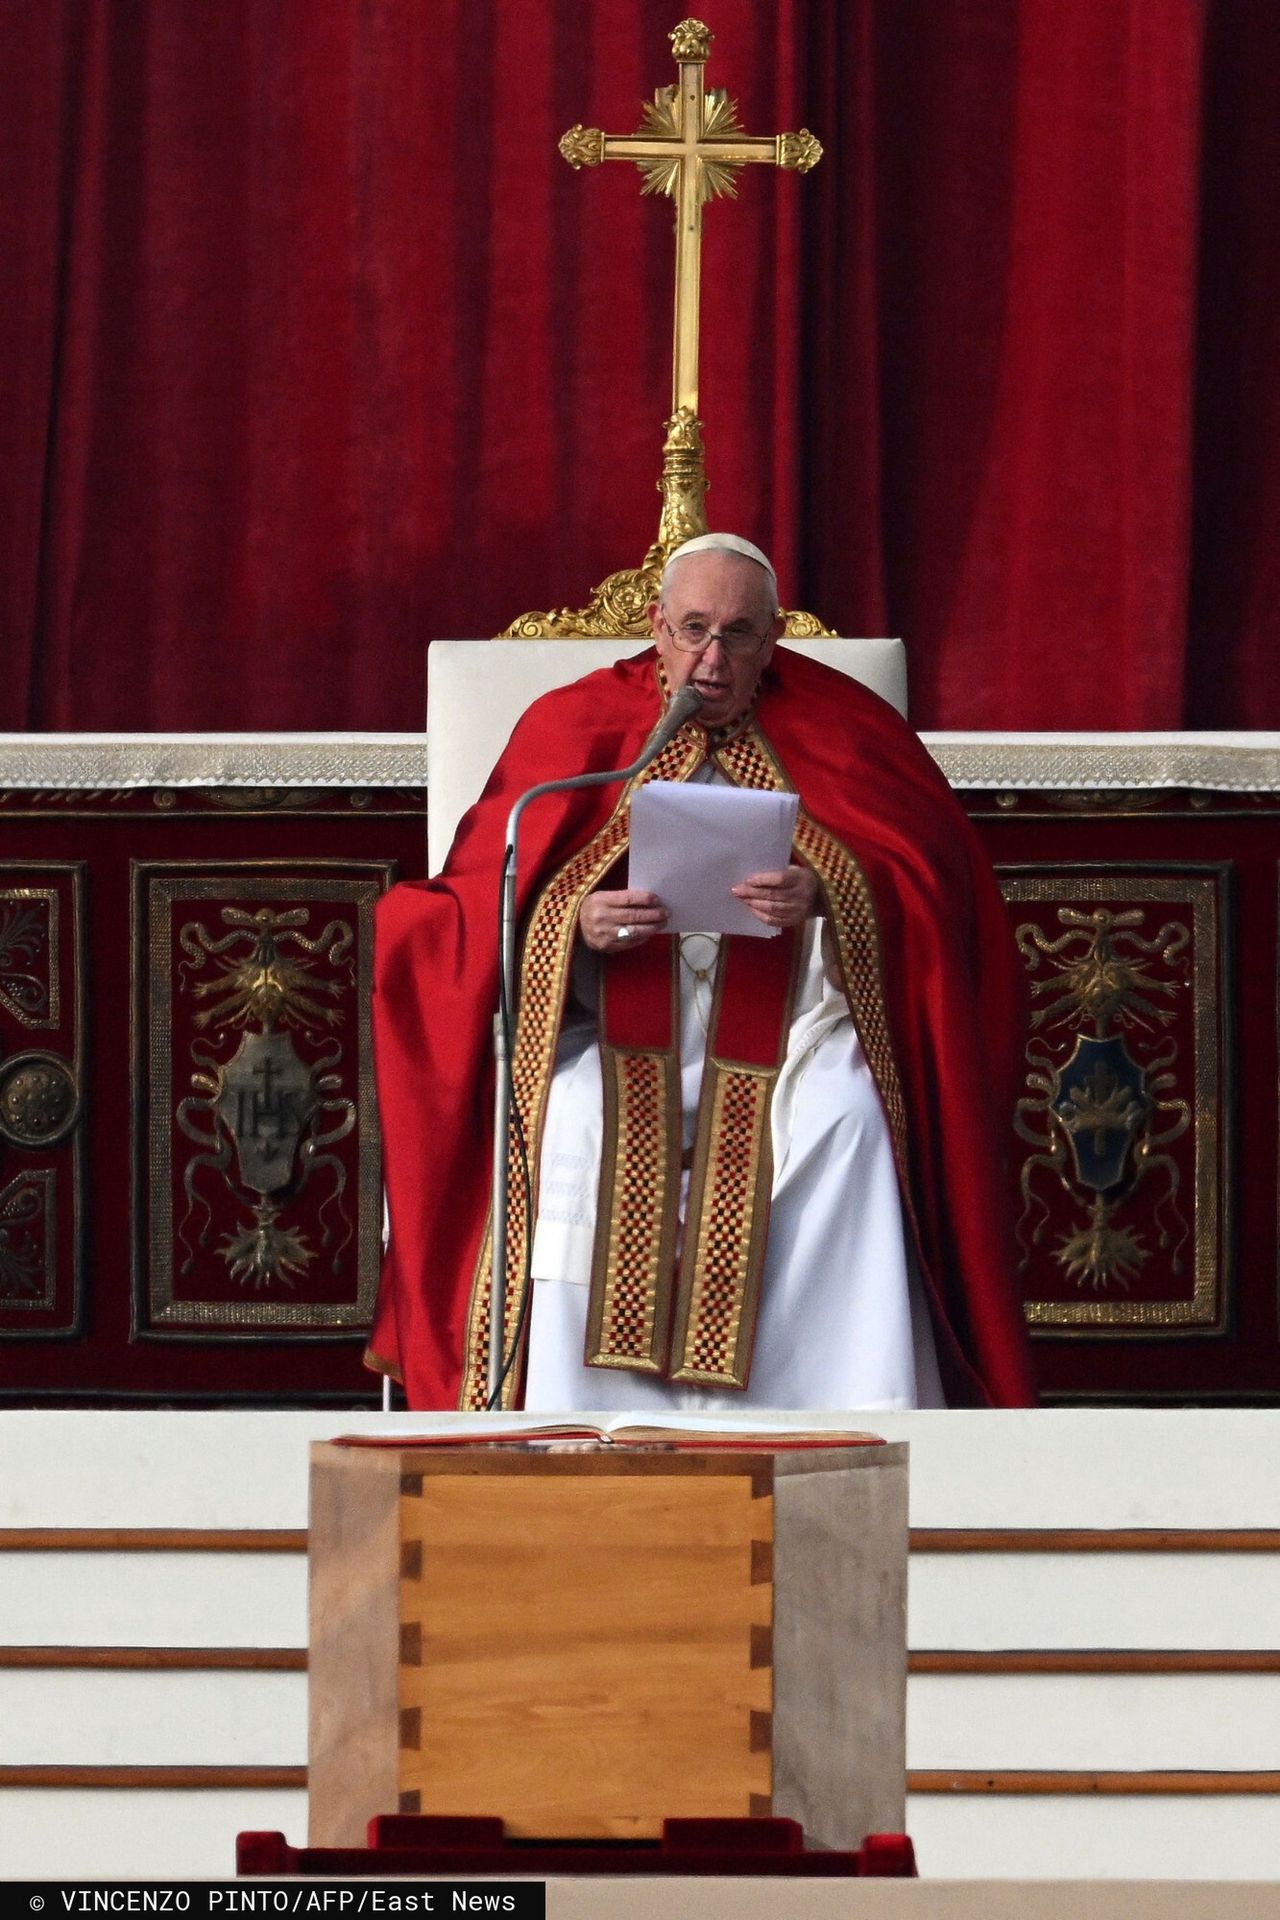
x=691, y=147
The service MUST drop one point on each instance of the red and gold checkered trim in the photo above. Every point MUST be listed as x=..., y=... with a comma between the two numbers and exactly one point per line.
x=718, y=1297
x=852, y=914
x=629, y=1321
x=727, y=1218
x=544, y=979
x=706, y=1320
x=750, y=761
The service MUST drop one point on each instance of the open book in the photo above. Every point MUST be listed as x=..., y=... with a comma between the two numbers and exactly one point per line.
x=688, y=1433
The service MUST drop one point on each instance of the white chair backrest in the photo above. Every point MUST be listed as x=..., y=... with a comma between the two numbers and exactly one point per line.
x=477, y=690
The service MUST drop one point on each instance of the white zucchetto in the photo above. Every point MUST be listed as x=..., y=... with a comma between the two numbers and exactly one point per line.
x=723, y=543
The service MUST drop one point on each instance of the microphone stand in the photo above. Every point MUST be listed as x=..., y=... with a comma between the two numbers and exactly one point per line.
x=682, y=708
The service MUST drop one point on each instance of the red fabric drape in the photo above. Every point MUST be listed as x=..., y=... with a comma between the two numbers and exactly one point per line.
x=314, y=349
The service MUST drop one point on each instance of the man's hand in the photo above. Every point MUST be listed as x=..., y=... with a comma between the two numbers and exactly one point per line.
x=782, y=899
x=612, y=922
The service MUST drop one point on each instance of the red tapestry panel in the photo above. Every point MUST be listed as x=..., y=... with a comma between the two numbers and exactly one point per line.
x=1121, y=1183
x=41, y=1097
x=257, y=1140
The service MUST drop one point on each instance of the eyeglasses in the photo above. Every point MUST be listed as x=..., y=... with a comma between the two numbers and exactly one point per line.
x=695, y=636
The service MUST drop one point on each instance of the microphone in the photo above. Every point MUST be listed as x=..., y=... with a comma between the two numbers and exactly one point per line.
x=683, y=707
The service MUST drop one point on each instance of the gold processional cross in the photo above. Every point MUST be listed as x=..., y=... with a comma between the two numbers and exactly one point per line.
x=691, y=148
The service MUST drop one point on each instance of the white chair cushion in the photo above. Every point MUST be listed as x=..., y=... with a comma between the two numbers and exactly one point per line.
x=477, y=690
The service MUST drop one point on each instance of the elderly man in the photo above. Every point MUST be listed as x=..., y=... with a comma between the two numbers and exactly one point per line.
x=761, y=1172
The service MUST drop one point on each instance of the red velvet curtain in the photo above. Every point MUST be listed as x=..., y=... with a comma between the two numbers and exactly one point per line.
x=313, y=348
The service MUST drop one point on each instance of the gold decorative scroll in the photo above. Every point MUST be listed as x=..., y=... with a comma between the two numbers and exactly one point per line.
x=691, y=148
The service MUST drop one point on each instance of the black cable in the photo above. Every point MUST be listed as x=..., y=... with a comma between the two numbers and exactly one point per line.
x=526, y=1281
x=494, y=1402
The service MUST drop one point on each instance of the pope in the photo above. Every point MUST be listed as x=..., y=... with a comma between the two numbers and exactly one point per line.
x=747, y=1172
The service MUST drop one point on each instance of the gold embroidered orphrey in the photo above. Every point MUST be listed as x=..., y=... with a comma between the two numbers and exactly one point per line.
x=703, y=1331
x=708, y=1346
x=691, y=148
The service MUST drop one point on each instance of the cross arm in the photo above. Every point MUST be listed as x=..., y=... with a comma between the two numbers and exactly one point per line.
x=590, y=147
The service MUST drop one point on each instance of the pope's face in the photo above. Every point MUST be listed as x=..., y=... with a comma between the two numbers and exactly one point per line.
x=727, y=595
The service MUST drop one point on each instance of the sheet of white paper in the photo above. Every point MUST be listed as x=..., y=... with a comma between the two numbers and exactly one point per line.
x=690, y=844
